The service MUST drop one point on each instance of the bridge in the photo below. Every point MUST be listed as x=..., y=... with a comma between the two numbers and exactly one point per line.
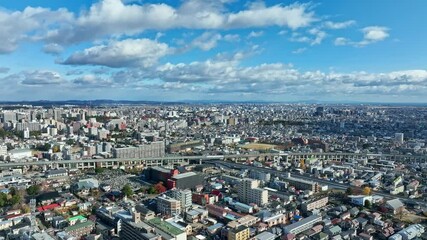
x=184, y=160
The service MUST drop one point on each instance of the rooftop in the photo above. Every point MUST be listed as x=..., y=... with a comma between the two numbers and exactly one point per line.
x=184, y=175
x=79, y=225
x=292, y=226
x=165, y=226
x=77, y=218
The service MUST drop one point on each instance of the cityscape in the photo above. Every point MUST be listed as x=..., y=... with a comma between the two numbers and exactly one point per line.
x=213, y=120
x=213, y=171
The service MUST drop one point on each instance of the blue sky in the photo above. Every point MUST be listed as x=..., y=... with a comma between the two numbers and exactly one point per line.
x=353, y=50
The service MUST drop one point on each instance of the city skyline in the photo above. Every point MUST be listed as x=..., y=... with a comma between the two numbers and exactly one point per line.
x=357, y=51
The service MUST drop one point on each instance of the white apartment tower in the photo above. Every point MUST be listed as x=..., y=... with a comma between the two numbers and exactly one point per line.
x=249, y=192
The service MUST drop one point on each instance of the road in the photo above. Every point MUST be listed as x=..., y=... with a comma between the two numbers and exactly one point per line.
x=307, y=177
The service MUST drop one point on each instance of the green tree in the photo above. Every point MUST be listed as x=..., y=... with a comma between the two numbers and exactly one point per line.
x=349, y=191
x=151, y=190
x=368, y=204
x=15, y=199
x=3, y=199
x=127, y=190
x=25, y=208
x=33, y=190
x=99, y=170
x=46, y=147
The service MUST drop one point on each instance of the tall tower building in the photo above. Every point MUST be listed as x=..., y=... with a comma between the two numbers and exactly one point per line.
x=26, y=133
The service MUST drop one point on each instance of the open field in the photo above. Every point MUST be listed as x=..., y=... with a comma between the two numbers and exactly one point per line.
x=412, y=218
x=257, y=146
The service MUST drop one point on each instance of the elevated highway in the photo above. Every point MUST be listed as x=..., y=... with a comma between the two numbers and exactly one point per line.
x=182, y=160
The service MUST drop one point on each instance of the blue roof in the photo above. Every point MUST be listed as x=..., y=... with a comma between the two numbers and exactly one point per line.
x=215, y=226
x=230, y=217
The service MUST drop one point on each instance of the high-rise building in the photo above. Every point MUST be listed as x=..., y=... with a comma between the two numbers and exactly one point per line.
x=168, y=206
x=249, y=192
x=184, y=196
x=32, y=126
x=8, y=117
x=26, y=133
x=57, y=114
x=398, y=137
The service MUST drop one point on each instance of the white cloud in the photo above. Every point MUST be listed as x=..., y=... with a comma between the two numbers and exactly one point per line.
x=232, y=37
x=318, y=36
x=299, y=50
x=282, y=32
x=53, y=48
x=112, y=18
x=125, y=53
x=340, y=41
x=375, y=33
x=371, y=35
x=28, y=25
x=293, y=16
x=254, y=34
x=206, y=41
x=315, y=36
x=339, y=25
x=92, y=81
x=227, y=75
x=36, y=78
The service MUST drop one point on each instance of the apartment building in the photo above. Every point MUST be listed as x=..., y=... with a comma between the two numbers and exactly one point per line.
x=302, y=184
x=168, y=206
x=249, y=192
x=154, y=149
x=184, y=196
x=240, y=233
x=314, y=204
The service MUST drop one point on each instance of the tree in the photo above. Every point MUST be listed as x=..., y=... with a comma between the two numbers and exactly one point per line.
x=56, y=149
x=25, y=208
x=367, y=191
x=33, y=190
x=127, y=190
x=99, y=170
x=368, y=204
x=151, y=190
x=44, y=148
x=349, y=191
x=70, y=142
x=15, y=199
x=160, y=188
x=3, y=199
